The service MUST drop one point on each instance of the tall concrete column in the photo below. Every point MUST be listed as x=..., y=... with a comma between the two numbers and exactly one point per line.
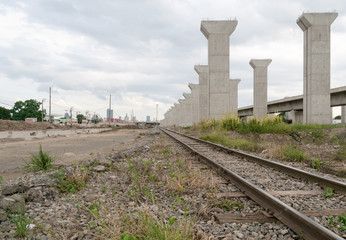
x=233, y=83
x=316, y=100
x=195, y=102
x=182, y=112
x=218, y=33
x=343, y=114
x=176, y=114
x=260, y=86
x=188, y=115
x=203, y=73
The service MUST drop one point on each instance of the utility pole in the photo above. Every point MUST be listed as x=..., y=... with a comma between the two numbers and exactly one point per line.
x=71, y=114
x=42, y=110
x=157, y=110
x=50, y=104
x=110, y=105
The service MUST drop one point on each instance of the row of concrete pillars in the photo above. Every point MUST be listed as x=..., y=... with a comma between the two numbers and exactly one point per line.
x=216, y=95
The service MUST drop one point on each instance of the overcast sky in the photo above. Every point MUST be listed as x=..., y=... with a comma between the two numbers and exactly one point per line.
x=143, y=52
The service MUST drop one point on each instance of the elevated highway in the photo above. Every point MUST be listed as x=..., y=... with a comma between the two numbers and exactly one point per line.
x=337, y=98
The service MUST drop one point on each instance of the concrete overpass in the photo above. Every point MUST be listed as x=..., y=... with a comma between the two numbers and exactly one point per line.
x=337, y=98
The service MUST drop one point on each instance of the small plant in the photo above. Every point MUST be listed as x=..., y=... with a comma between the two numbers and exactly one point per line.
x=21, y=221
x=225, y=204
x=104, y=189
x=340, y=223
x=41, y=161
x=317, y=164
x=0, y=180
x=94, y=210
x=72, y=182
x=328, y=193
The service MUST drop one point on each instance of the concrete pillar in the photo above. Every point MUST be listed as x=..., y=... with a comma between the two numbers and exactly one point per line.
x=203, y=73
x=176, y=114
x=195, y=102
x=260, y=86
x=182, y=112
x=188, y=102
x=343, y=114
x=234, y=96
x=218, y=33
x=316, y=100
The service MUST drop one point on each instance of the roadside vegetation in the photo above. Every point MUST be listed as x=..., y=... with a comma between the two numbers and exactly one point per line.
x=273, y=124
x=274, y=138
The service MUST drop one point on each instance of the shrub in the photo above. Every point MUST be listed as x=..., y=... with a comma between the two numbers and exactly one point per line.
x=293, y=154
x=41, y=161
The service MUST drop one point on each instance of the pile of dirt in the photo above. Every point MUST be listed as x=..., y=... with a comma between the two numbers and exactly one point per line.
x=8, y=125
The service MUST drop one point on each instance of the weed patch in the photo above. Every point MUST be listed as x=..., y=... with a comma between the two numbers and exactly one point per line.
x=73, y=181
x=240, y=143
x=291, y=154
x=41, y=161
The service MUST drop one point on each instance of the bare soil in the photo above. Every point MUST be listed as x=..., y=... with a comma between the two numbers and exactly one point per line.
x=64, y=150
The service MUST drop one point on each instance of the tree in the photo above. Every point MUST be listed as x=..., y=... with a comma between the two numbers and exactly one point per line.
x=80, y=118
x=338, y=117
x=5, y=113
x=27, y=109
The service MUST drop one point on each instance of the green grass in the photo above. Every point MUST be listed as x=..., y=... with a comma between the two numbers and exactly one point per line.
x=39, y=162
x=266, y=125
x=240, y=143
x=0, y=180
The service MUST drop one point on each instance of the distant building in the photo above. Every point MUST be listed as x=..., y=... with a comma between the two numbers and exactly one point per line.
x=111, y=113
x=148, y=119
x=126, y=118
x=66, y=116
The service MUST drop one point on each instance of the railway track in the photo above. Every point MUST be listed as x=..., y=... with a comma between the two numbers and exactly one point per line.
x=274, y=186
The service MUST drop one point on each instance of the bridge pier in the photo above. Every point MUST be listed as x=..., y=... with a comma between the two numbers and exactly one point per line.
x=233, y=83
x=343, y=114
x=188, y=109
x=260, y=86
x=316, y=100
x=218, y=33
x=195, y=102
x=203, y=102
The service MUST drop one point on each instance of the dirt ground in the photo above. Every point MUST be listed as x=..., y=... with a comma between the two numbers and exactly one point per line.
x=64, y=150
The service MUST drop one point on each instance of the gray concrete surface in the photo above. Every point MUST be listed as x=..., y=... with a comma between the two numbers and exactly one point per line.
x=316, y=101
x=188, y=109
x=203, y=78
x=218, y=33
x=343, y=114
x=260, y=86
x=195, y=102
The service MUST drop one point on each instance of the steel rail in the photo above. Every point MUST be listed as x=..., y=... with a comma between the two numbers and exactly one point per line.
x=298, y=222
x=292, y=171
